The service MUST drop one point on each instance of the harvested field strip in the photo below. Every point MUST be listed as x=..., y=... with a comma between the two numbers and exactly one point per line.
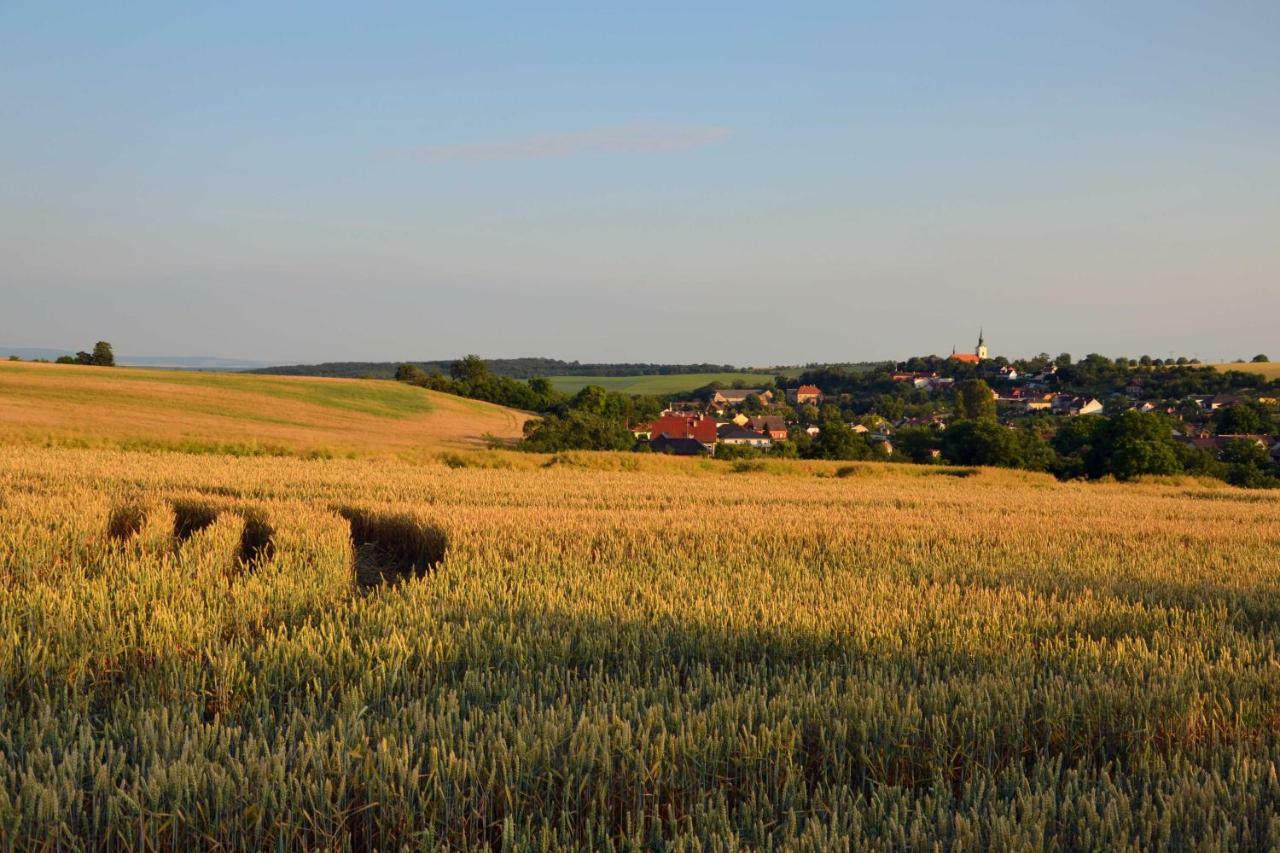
x=257, y=542
x=190, y=516
x=125, y=521
x=389, y=548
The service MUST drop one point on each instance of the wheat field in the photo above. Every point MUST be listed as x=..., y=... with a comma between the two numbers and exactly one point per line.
x=1269, y=369
x=598, y=651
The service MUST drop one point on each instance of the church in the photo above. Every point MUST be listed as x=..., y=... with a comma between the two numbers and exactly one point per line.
x=978, y=355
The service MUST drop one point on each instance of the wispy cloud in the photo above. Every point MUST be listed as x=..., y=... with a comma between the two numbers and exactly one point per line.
x=636, y=136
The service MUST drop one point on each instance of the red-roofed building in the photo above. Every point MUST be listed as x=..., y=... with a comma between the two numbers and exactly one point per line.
x=805, y=395
x=975, y=357
x=697, y=427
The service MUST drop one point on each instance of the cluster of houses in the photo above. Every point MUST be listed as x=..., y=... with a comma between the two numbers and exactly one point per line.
x=1033, y=395
x=740, y=416
x=694, y=428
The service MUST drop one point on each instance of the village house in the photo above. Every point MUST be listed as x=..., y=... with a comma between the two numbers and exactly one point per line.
x=738, y=435
x=934, y=383
x=882, y=440
x=681, y=446
x=804, y=395
x=1026, y=400
x=730, y=398
x=1222, y=401
x=676, y=426
x=1066, y=404
x=771, y=425
x=1216, y=443
x=923, y=379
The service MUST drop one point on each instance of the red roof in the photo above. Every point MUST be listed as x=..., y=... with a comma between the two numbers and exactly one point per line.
x=812, y=390
x=966, y=357
x=685, y=426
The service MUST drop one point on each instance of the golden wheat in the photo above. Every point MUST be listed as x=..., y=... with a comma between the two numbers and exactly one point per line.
x=588, y=651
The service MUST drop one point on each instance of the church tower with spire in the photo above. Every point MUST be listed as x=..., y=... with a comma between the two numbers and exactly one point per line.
x=981, y=351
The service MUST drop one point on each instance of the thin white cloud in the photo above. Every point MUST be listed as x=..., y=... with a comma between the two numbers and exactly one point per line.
x=636, y=136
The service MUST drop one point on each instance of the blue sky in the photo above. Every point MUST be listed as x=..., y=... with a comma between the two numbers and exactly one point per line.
x=737, y=182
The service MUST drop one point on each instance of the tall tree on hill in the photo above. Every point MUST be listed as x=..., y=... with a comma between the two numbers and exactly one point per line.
x=410, y=373
x=102, y=355
x=974, y=400
x=470, y=369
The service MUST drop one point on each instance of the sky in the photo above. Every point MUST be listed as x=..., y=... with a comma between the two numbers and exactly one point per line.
x=738, y=183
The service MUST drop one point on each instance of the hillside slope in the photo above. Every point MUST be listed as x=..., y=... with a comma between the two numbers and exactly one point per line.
x=1269, y=369
x=237, y=413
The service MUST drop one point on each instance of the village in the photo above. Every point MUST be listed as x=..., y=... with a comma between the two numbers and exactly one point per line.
x=763, y=418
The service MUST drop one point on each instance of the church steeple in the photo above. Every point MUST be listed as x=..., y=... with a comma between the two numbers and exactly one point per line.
x=981, y=351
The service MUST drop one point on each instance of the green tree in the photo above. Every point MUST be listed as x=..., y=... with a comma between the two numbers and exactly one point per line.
x=917, y=443
x=1260, y=358
x=576, y=430
x=591, y=398
x=102, y=355
x=981, y=442
x=1076, y=435
x=836, y=441
x=542, y=386
x=753, y=405
x=975, y=401
x=1237, y=420
x=470, y=369
x=411, y=373
x=1131, y=444
x=1248, y=465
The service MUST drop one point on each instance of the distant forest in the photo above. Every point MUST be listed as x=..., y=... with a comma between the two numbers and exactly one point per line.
x=511, y=368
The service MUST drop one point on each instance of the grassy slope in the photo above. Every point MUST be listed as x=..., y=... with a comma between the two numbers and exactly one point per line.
x=658, y=384
x=66, y=404
x=1271, y=369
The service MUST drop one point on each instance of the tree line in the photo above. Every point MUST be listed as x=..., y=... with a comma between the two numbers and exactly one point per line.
x=102, y=356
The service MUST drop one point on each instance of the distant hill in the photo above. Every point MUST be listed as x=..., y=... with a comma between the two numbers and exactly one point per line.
x=659, y=384
x=513, y=368
x=185, y=362
x=238, y=413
